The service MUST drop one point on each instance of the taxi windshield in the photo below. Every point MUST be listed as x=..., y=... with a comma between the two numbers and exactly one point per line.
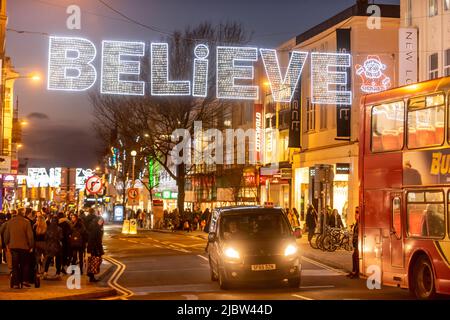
x=253, y=226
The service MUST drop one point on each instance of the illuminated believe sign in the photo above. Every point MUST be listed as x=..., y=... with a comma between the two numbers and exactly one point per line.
x=71, y=68
x=81, y=176
x=372, y=76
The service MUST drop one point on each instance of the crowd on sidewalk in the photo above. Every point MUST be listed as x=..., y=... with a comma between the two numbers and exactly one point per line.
x=32, y=240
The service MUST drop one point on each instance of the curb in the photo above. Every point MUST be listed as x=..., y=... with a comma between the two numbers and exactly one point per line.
x=89, y=296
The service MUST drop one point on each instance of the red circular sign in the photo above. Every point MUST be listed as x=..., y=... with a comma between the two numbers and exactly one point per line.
x=94, y=185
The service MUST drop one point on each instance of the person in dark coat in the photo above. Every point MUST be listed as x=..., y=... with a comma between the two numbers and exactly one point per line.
x=77, y=241
x=53, y=246
x=95, y=242
x=335, y=220
x=355, y=256
x=66, y=227
x=311, y=222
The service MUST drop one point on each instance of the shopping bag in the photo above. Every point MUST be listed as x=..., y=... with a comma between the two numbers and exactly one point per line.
x=94, y=263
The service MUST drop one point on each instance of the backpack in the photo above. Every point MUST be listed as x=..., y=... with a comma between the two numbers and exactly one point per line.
x=76, y=239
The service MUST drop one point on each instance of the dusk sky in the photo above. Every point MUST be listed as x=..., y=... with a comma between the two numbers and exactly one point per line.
x=60, y=131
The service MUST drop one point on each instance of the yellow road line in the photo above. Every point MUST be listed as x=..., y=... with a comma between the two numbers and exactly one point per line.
x=112, y=282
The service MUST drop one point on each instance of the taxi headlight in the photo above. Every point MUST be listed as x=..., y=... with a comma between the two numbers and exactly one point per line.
x=290, y=250
x=232, y=253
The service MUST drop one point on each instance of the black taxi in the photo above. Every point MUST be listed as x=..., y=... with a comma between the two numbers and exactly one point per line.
x=252, y=244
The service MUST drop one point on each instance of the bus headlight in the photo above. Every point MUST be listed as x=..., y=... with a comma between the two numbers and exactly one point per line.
x=232, y=253
x=290, y=250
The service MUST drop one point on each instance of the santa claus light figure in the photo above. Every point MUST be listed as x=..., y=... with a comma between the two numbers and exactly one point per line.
x=372, y=76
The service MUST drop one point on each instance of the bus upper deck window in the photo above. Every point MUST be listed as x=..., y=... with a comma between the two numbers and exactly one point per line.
x=426, y=121
x=388, y=127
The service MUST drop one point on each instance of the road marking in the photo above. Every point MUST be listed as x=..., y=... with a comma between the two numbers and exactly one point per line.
x=112, y=282
x=203, y=257
x=190, y=296
x=320, y=273
x=301, y=297
x=317, y=287
x=323, y=265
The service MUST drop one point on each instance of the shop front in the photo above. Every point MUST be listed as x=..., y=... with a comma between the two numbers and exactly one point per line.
x=275, y=185
x=342, y=190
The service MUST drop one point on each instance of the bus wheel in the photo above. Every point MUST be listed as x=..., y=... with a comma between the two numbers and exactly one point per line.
x=423, y=285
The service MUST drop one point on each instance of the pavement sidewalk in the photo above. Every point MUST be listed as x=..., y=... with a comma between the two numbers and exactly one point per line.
x=57, y=289
x=340, y=259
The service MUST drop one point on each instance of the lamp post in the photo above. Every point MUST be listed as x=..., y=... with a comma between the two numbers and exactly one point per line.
x=133, y=154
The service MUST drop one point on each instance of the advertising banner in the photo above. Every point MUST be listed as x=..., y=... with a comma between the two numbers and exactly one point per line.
x=296, y=120
x=343, y=112
x=428, y=167
x=407, y=61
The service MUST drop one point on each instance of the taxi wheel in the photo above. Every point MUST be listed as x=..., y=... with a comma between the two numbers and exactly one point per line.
x=223, y=283
x=423, y=279
x=294, y=282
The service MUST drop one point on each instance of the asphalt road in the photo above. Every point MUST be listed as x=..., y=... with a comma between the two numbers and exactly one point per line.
x=173, y=266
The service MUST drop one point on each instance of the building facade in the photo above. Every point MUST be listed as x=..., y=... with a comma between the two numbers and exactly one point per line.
x=431, y=19
x=322, y=142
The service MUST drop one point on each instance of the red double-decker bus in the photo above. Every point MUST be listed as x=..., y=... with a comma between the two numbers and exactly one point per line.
x=405, y=187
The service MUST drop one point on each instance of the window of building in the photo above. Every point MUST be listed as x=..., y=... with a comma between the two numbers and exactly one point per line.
x=388, y=127
x=426, y=215
x=447, y=62
x=426, y=120
x=310, y=115
x=408, y=16
x=433, y=66
x=323, y=117
x=446, y=5
x=432, y=8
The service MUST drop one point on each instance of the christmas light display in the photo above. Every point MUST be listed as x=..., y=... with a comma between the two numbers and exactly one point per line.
x=283, y=89
x=228, y=72
x=70, y=64
x=114, y=66
x=372, y=76
x=160, y=84
x=323, y=76
x=200, y=81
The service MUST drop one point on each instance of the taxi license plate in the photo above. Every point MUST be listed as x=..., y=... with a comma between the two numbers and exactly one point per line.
x=263, y=267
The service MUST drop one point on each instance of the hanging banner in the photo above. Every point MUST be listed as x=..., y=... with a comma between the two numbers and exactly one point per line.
x=295, y=121
x=258, y=131
x=407, y=61
x=343, y=112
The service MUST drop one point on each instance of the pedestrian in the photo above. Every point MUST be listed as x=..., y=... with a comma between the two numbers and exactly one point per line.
x=19, y=241
x=77, y=241
x=66, y=227
x=355, y=256
x=296, y=216
x=311, y=222
x=95, y=248
x=40, y=230
x=335, y=220
x=53, y=246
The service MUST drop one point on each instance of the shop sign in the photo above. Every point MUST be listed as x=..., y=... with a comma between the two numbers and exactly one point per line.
x=9, y=181
x=118, y=213
x=342, y=168
x=286, y=173
x=407, y=61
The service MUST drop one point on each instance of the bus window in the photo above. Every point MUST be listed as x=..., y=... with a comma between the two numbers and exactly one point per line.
x=426, y=215
x=387, y=127
x=396, y=217
x=426, y=121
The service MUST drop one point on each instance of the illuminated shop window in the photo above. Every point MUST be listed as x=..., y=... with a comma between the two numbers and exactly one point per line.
x=388, y=127
x=426, y=120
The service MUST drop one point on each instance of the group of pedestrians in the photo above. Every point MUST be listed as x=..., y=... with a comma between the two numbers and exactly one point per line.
x=189, y=220
x=34, y=240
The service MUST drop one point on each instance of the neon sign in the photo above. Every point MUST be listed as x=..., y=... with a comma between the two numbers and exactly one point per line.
x=71, y=68
x=39, y=177
x=372, y=76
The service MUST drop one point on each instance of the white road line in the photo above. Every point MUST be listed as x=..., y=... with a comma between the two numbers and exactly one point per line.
x=301, y=297
x=204, y=258
x=323, y=265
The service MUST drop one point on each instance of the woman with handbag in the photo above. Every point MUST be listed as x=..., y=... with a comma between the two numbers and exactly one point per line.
x=95, y=248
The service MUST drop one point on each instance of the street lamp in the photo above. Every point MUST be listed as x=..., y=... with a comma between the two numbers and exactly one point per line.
x=133, y=154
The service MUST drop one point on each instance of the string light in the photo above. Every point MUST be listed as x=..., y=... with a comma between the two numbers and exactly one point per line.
x=60, y=63
x=283, y=89
x=114, y=66
x=322, y=77
x=200, y=83
x=160, y=84
x=228, y=72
